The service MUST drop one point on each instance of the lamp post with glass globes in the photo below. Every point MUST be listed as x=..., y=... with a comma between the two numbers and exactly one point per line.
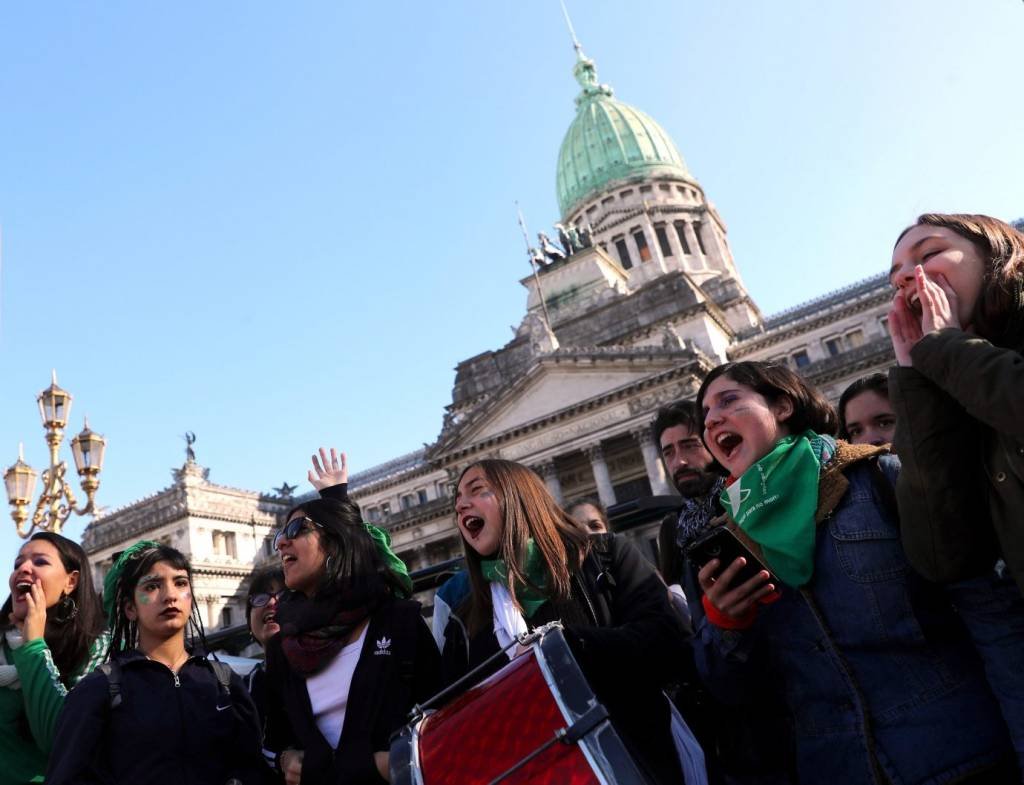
x=57, y=501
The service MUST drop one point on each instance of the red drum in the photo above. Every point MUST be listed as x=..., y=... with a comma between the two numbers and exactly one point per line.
x=535, y=721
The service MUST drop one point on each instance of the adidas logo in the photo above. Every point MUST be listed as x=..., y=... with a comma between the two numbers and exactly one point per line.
x=383, y=647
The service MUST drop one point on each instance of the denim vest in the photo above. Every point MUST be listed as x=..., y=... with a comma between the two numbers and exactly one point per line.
x=881, y=678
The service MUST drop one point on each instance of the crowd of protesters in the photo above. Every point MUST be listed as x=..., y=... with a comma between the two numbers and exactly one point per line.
x=838, y=600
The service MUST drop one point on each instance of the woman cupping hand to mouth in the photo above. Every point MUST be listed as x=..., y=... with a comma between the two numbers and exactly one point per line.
x=51, y=634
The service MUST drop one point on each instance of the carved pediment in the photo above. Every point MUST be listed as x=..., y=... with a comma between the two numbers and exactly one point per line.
x=560, y=381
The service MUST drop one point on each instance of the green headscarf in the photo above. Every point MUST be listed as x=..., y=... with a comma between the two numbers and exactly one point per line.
x=112, y=577
x=528, y=597
x=774, y=502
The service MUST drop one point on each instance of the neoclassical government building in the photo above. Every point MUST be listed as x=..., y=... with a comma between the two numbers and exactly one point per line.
x=626, y=322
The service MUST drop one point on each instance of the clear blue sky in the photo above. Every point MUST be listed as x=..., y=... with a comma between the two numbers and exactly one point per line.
x=281, y=226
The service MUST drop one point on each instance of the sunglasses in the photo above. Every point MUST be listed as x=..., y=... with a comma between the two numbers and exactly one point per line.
x=294, y=528
x=263, y=599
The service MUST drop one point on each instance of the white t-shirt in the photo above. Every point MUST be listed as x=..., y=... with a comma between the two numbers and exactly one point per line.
x=328, y=690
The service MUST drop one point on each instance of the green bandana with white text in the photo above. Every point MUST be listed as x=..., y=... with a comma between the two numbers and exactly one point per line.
x=774, y=502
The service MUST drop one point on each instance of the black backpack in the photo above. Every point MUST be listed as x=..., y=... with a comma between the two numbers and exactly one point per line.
x=112, y=670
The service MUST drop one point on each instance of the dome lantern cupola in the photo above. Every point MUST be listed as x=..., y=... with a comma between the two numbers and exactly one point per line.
x=609, y=142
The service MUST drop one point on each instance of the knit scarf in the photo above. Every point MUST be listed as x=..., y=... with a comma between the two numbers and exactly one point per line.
x=774, y=502
x=314, y=630
x=697, y=513
x=528, y=597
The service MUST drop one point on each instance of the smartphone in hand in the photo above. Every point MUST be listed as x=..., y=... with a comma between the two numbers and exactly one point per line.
x=720, y=543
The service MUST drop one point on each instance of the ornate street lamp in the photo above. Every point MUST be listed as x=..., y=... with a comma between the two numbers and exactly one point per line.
x=57, y=501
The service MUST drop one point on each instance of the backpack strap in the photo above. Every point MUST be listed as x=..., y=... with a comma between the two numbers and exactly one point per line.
x=223, y=673
x=112, y=670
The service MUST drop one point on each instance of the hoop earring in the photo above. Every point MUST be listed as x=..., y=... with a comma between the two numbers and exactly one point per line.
x=66, y=609
x=327, y=565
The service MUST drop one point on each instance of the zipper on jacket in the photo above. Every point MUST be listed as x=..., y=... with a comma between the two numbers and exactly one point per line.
x=177, y=681
x=586, y=597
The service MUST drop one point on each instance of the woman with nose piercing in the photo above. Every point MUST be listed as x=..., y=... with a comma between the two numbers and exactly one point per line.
x=159, y=711
x=957, y=326
x=881, y=678
x=51, y=635
x=529, y=563
x=353, y=655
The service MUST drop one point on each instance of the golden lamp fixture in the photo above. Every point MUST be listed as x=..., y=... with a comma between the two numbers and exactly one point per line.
x=57, y=501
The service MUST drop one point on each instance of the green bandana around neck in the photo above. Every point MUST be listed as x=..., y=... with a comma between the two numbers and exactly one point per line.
x=774, y=502
x=529, y=598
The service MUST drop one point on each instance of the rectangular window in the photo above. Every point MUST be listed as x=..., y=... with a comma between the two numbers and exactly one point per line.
x=855, y=338
x=833, y=346
x=666, y=249
x=421, y=496
x=641, y=245
x=801, y=359
x=407, y=502
x=229, y=545
x=591, y=211
x=700, y=240
x=626, y=194
x=623, y=250
x=681, y=234
x=385, y=509
x=607, y=201
x=226, y=616
x=645, y=189
x=884, y=322
x=373, y=513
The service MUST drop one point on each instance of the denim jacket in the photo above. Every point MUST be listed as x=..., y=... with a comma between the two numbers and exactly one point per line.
x=880, y=675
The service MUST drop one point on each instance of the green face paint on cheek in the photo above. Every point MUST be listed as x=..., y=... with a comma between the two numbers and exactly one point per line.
x=142, y=598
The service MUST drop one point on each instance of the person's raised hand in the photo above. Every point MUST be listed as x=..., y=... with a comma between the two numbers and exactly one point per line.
x=326, y=473
x=904, y=329
x=733, y=601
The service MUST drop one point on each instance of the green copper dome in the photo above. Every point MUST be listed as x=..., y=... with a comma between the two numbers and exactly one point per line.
x=609, y=141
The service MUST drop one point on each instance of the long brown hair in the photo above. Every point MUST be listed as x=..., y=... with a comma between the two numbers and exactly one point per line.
x=528, y=511
x=999, y=312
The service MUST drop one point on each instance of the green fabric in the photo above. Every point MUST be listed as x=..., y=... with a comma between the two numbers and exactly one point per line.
x=112, y=577
x=39, y=701
x=528, y=597
x=774, y=502
x=395, y=564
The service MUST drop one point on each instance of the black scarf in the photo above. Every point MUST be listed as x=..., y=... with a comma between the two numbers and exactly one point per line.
x=697, y=513
x=313, y=631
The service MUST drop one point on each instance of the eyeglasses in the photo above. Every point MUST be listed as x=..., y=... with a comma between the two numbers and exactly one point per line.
x=262, y=599
x=294, y=528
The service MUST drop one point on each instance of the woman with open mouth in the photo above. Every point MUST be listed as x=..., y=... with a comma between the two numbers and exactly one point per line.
x=266, y=588
x=529, y=563
x=881, y=678
x=159, y=711
x=957, y=326
x=352, y=655
x=51, y=635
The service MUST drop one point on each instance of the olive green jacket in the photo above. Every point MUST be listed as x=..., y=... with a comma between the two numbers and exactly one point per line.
x=960, y=438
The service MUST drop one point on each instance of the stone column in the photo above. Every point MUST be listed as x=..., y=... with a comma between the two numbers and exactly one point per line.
x=605, y=492
x=673, y=241
x=652, y=461
x=652, y=242
x=547, y=470
x=691, y=240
